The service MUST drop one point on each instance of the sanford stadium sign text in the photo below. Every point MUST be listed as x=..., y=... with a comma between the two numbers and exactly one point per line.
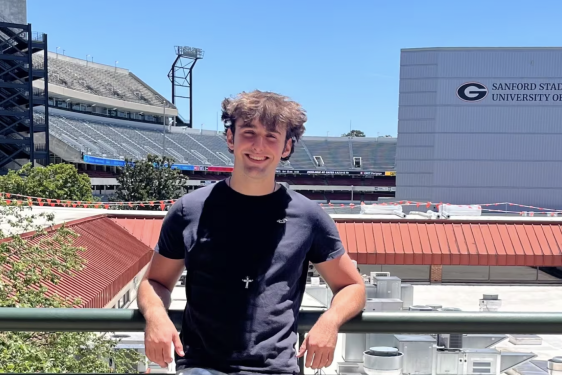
x=511, y=92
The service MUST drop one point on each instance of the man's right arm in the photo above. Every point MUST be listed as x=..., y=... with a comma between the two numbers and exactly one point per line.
x=155, y=289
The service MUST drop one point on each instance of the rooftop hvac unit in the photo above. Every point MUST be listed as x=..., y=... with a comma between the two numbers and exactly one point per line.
x=371, y=290
x=353, y=346
x=407, y=295
x=490, y=302
x=388, y=286
x=454, y=210
x=320, y=292
x=373, y=276
x=382, y=361
x=450, y=341
x=477, y=361
x=482, y=341
x=448, y=362
x=379, y=274
x=418, y=353
x=383, y=304
x=376, y=209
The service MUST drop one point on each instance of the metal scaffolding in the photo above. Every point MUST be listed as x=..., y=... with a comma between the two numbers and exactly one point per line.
x=19, y=96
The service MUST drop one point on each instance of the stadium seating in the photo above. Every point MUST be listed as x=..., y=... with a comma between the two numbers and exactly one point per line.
x=112, y=141
x=300, y=158
x=97, y=137
x=335, y=154
x=102, y=81
x=380, y=155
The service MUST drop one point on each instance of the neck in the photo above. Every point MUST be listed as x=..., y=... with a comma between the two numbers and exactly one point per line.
x=249, y=186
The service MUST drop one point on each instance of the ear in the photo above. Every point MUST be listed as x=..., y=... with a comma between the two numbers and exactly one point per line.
x=287, y=149
x=230, y=139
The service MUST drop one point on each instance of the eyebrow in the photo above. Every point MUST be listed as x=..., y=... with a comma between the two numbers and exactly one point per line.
x=252, y=126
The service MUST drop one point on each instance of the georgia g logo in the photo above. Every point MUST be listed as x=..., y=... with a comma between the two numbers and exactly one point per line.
x=472, y=92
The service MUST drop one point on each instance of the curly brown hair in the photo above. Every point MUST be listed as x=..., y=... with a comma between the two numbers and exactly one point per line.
x=273, y=110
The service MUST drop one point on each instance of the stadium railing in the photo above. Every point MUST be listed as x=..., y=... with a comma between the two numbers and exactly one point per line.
x=130, y=320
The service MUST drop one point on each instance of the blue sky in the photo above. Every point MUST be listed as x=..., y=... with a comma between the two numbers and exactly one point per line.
x=339, y=59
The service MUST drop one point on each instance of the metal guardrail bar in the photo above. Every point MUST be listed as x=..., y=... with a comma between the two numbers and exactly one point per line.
x=412, y=322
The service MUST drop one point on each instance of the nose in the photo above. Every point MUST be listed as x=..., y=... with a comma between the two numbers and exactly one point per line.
x=258, y=144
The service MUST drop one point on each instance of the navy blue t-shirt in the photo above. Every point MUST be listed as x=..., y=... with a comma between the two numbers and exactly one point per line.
x=246, y=259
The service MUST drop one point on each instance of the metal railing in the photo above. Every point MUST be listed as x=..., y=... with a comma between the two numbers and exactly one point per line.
x=411, y=322
x=128, y=320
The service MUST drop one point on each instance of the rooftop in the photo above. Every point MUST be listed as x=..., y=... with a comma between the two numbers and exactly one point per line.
x=400, y=239
x=113, y=259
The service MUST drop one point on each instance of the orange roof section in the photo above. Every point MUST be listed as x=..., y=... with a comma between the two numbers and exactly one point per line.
x=453, y=243
x=431, y=242
x=145, y=229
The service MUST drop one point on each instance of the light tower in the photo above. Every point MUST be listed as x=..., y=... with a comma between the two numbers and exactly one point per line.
x=181, y=75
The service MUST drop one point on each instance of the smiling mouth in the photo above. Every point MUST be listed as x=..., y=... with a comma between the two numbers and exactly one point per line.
x=257, y=158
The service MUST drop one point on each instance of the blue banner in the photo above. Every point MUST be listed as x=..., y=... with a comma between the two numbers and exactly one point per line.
x=121, y=163
x=104, y=161
x=183, y=167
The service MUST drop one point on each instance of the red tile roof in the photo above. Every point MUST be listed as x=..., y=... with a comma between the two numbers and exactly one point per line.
x=113, y=259
x=146, y=229
x=453, y=243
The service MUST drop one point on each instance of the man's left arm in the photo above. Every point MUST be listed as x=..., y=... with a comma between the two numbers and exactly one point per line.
x=348, y=288
x=336, y=267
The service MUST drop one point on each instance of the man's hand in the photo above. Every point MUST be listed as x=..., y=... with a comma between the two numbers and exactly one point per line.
x=160, y=334
x=319, y=344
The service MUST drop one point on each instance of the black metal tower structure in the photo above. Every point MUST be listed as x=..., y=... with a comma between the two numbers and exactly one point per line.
x=181, y=76
x=18, y=96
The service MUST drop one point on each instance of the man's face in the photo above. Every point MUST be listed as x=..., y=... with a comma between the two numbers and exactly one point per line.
x=257, y=150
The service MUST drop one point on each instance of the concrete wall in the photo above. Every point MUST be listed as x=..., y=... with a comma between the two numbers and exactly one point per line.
x=14, y=11
x=496, y=139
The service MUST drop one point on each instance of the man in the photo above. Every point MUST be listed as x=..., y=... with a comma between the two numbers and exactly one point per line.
x=246, y=243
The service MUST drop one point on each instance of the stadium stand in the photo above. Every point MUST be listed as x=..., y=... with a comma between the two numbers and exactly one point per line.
x=106, y=140
x=98, y=79
x=92, y=136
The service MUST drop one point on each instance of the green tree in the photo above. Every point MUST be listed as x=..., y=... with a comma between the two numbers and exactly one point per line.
x=354, y=133
x=55, y=181
x=27, y=264
x=152, y=179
